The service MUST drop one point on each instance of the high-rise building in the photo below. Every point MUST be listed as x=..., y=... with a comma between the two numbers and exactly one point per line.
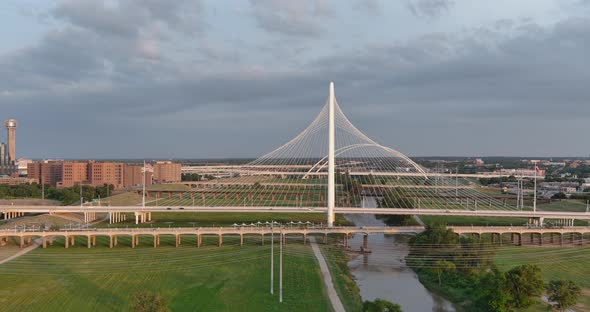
x=73, y=173
x=46, y=172
x=7, y=167
x=101, y=173
x=134, y=176
x=69, y=173
x=11, y=125
x=167, y=172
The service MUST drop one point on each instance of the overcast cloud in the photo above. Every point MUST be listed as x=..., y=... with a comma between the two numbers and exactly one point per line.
x=200, y=79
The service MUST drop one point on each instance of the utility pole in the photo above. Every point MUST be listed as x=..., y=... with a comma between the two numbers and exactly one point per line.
x=535, y=190
x=272, y=259
x=281, y=269
x=143, y=188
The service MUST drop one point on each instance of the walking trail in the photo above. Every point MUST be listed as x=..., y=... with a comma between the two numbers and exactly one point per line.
x=334, y=299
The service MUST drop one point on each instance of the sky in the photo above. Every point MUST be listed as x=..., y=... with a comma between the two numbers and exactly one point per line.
x=225, y=79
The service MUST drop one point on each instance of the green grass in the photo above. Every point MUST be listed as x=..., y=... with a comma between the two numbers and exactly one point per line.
x=189, y=219
x=569, y=205
x=555, y=263
x=476, y=221
x=230, y=278
x=346, y=287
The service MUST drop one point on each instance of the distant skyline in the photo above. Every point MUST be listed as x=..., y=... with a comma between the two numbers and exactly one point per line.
x=214, y=79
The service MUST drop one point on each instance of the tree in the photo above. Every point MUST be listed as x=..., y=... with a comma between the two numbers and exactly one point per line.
x=149, y=302
x=492, y=289
x=380, y=305
x=441, y=266
x=523, y=283
x=559, y=195
x=565, y=293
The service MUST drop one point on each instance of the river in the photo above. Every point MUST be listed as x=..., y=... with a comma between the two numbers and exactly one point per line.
x=383, y=273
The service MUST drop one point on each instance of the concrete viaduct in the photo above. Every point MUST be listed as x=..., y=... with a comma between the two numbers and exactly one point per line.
x=517, y=234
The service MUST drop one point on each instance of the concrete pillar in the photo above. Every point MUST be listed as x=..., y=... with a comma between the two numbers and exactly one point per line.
x=51, y=241
x=94, y=240
x=177, y=242
x=132, y=241
x=561, y=239
x=220, y=239
x=136, y=218
x=115, y=240
x=541, y=239
x=149, y=216
x=366, y=241
x=110, y=241
x=241, y=239
x=44, y=242
x=73, y=240
x=67, y=241
x=89, y=240
x=158, y=240
x=155, y=240
x=520, y=239
x=22, y=242
x=199, y=240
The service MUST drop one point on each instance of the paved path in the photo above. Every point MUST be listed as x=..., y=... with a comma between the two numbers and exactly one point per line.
x=34, y=246
x=334, y=299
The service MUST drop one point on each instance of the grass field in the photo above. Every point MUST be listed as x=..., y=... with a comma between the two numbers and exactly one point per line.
x=230, y=278
x=477, y=221
x=555, y=263
x=189, y=219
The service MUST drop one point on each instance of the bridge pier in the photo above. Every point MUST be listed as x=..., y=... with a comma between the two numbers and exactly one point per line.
x=220, y=239
x=110, y=241
x=241, y=239
x=199, y=240
x=365, y=241
x=155, y=240
x=89, y=240
x=44, y=239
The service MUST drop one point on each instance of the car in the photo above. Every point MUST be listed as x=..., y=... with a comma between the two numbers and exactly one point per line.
x=168, y=208
x=181, y=208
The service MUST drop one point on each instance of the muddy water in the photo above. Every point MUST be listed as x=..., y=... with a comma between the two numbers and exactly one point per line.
x=383, y=273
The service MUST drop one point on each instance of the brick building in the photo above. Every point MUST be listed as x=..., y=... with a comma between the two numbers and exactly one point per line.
x=167, y=172
x=134, y=176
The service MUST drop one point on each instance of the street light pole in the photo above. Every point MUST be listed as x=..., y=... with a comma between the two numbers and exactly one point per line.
x=272, y=259
x=281, y=269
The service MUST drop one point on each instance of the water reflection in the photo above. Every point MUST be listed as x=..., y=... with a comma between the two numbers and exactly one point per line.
x=383, y=273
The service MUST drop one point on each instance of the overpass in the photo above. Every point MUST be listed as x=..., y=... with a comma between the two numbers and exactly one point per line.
x=517, y=233
x=143, y=214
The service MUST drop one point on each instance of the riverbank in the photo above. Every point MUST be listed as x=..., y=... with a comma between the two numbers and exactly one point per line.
x=384, y=274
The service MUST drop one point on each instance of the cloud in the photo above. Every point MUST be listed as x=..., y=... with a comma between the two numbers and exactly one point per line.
x=292, y=18
x=429, y=8
x=436, y=93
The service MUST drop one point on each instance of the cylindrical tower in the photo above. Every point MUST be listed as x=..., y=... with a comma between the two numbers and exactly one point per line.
x=11, y=125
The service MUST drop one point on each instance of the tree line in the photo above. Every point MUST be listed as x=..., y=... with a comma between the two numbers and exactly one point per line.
x=463, y=270
x=66, y=196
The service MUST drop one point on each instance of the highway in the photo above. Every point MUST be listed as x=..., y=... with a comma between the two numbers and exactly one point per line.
x=340, y=210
